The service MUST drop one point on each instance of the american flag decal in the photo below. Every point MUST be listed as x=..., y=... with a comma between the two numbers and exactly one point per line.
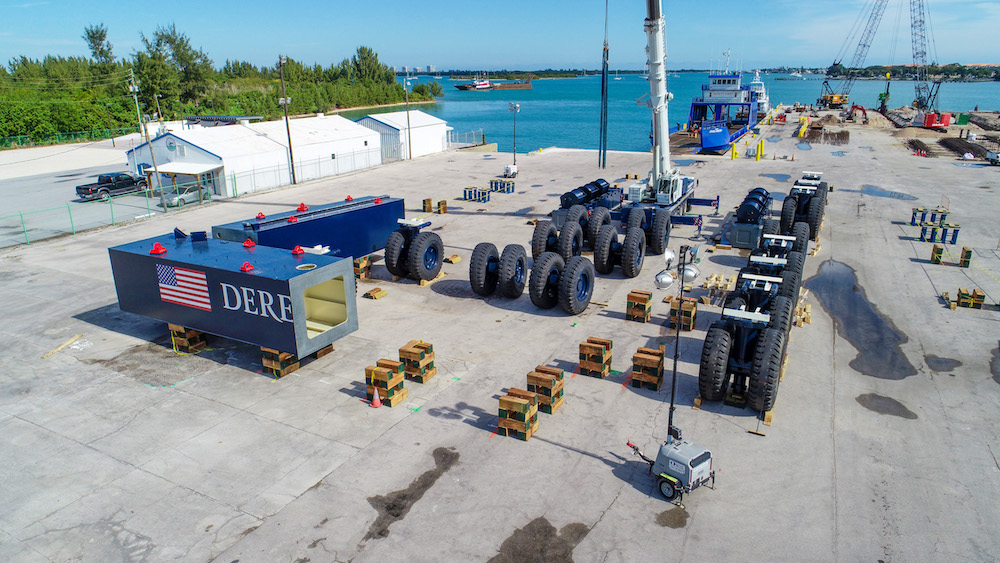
x=183, y=287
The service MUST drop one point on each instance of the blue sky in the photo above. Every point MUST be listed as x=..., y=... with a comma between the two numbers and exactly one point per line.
x=496, y=34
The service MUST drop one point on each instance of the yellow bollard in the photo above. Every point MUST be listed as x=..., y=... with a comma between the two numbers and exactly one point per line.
x=734, y=151
x=760, y=149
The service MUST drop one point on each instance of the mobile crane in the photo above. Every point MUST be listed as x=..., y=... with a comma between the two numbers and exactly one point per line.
x=838, y=99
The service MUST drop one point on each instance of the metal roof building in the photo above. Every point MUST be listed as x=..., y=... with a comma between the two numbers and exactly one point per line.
x=248, y=157
x=429, y=134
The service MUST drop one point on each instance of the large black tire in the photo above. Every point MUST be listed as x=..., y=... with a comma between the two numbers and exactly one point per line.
x=543, y=290
x=766, y=370
x=395, y=258
x=823, y=191
x=599, y=216
x=484, y=282
x=513, y=271
x=713, y=374
x=576, y=285
x=795, y=261
x=659, y=234
x=576, y=214
x=800, y=230
x=781, y=314
x=570, y=240
x=788, y=208
x=425, y=256
x=604, y=262
x=544, y=230
x=636, y=219
x=771, y=226
x=633, y=252
x=815, y=215
x=790, y=282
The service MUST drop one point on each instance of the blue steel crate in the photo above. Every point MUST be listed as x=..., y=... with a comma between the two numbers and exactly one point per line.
x=291, y=303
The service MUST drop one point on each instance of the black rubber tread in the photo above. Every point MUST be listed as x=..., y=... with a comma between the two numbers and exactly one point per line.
x=636, y=218
x=667, y=489
x=659, y=234
x=790, y=282
x=771, y=226
x=599, y=216
x=576, y=214
x=815, y=217
x=420, y=244
x=800, y=230
x=633, y=252
x=788, y=208
x=713, y=373
x=604, y=262
x=540, y=237
x=734, y=300
x=570, y=240
x=543, y=294
x=781, y=314
x=482, y=280
x=395, y=258
x=576, y=269
x=513, y=256
x=766, y=370
x=823, y=191
x=795, y=261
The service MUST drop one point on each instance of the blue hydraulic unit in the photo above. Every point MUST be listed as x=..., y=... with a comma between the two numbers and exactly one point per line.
x=287, y=300
x=353, y=227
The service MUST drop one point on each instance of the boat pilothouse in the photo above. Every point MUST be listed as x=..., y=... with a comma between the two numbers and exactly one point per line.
x=725, y=110
x=757, y=87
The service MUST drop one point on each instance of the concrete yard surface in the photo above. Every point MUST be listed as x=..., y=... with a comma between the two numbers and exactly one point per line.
x=116, y=448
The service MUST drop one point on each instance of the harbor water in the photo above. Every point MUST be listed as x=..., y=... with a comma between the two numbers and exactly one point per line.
x=565, y=112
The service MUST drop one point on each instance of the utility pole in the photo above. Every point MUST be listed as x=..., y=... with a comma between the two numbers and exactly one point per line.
x=145, y=133
x=284, y=102
x=409, y=132
x=515, y=108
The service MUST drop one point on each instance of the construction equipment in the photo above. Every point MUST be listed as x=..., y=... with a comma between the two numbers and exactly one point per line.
x=806, y=202
x=753, y=220
x=489, y=270
x=856, y=108
x=410, y=252
x=883, y=98
x=926, y=92
x=568, y=283
x=836, y=99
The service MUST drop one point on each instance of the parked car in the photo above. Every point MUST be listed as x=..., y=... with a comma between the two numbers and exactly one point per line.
x=108, y=185
x=185, y=195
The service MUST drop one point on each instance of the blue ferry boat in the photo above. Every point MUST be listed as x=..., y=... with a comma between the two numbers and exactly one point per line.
x=724, y=112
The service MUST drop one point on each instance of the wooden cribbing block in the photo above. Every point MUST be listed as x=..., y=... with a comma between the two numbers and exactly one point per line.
x=428, y=205
x=560, y=374
x=531, y=398
x=323, y=351
x=546, y=392
x=391, y=365
x=602, y=341
x=546, y=380
x=390, y=397
x=453, y=259
x=415, y=350
x=382, y=377
x=442, y=206
x=377, y=293
x=513, y=404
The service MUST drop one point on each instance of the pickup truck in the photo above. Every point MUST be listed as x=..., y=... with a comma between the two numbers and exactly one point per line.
x=993, y=158
x=108, y=185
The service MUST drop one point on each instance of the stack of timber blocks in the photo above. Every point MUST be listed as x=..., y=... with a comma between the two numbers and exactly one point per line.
x=936, y=252
x=418, y=358
x=386, y=378
x=688, y=310
x=549, y=384
x=442, y=207
x=278, y=364
x=186, y=340
x=428, y=205
x=595, y=357
x=363, y=268
x=640, y=305
x=975, y=298
x=966, y=258
x=647, y=368
x=518, y=414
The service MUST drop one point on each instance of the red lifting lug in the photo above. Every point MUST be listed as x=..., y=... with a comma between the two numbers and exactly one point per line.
x=261, y=216
x=249, y=243
x=348, y=198
x=292, y=219
x=378, y=200
x=158, y=249
x=297, y=250
x=246, y=267
x=303, y=207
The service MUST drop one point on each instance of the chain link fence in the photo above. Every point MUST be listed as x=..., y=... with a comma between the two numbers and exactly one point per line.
x=22, y=141
x=458, y=140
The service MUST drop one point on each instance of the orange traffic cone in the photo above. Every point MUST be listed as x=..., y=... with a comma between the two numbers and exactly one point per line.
x=376, y=399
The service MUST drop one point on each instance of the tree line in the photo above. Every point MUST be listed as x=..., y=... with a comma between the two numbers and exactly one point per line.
x=950, y=72
x=56, y=94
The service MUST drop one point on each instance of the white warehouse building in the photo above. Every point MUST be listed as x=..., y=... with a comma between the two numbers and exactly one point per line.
x=248, y=157
x=429, y=134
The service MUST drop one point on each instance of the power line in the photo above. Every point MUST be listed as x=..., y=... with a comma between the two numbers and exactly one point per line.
x=89, y=101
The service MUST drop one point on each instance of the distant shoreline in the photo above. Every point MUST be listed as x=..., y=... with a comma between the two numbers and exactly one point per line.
x=339, y=110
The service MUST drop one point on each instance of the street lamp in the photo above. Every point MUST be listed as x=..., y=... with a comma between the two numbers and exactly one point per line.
x=515, y=109
x=284, y=101
x=409, y=133
x=158, y=114
x=686, y=273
